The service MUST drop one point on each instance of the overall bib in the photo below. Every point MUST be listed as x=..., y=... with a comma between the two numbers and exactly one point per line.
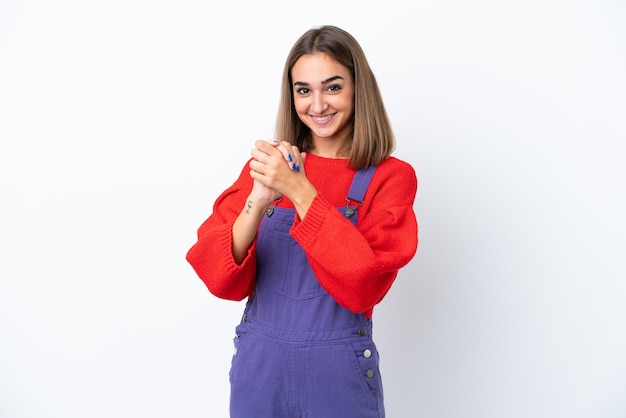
x=298, y=353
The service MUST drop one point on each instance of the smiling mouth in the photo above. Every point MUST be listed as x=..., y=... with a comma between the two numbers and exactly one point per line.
x=322, y=119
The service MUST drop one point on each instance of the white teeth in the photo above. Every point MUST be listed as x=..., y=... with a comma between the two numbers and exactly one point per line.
x=321, y=118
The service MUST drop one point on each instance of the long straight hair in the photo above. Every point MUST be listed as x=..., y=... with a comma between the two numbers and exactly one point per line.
x=372, y=137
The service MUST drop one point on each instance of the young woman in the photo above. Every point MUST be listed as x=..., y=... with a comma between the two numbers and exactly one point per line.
x=312, y=233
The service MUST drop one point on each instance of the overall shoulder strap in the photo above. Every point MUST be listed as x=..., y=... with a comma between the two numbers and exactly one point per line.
x=360, y=183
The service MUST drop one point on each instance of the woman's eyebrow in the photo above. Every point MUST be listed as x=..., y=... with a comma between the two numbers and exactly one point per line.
x=328, y=80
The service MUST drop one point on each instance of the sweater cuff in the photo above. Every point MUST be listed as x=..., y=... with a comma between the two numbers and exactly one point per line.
x=247, y=262
x=305, y=230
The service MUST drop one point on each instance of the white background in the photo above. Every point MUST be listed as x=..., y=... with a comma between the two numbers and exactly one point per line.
x=121, y=122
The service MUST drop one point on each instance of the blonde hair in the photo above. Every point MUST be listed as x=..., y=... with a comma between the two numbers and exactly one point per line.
x=372, y=137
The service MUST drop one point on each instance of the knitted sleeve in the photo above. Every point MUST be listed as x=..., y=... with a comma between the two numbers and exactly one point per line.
x=211, y=256
x=357, y=266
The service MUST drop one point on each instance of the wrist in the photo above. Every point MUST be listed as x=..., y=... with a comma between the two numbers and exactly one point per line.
x=304, y=199
x=255, y=206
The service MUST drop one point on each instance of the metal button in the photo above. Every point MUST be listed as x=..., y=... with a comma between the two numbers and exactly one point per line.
x=367, y=354
x=369, y=373
x=362, y=332
x=349, y=211
x=269, y=211
x=245, y=318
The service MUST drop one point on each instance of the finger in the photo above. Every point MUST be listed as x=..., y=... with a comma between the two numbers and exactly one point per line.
x=296, y=153
x=258, y=155
x=285, y=150
x=266, y=145
x=273, y=142
x=298, y=160
x=256, y=167
x=265, y=164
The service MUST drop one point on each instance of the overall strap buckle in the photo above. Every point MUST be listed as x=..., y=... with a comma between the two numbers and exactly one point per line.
x=349, y=209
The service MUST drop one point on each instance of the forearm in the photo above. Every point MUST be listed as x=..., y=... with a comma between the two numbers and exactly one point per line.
x=246, y=227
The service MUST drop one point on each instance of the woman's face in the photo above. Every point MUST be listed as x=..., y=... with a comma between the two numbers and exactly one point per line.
x=323, y=92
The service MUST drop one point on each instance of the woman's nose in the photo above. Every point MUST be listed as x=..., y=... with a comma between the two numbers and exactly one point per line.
x=319, y=104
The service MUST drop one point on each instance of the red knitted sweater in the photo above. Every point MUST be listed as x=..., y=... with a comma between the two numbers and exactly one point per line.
x=356, y=266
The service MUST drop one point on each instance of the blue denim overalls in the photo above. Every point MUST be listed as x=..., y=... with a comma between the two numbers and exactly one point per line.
x=298, y=353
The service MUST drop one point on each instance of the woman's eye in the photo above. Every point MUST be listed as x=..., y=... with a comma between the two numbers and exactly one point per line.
x=302, y=91
x=334, y=88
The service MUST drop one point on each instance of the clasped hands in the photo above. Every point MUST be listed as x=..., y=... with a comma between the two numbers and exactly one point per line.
x=277, y=169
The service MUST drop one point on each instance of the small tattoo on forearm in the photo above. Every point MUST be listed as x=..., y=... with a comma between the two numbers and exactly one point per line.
x=249, y=206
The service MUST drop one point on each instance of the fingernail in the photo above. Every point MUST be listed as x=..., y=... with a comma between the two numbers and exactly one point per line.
x=294, y=166
x=297, y=169
x=290, y=159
